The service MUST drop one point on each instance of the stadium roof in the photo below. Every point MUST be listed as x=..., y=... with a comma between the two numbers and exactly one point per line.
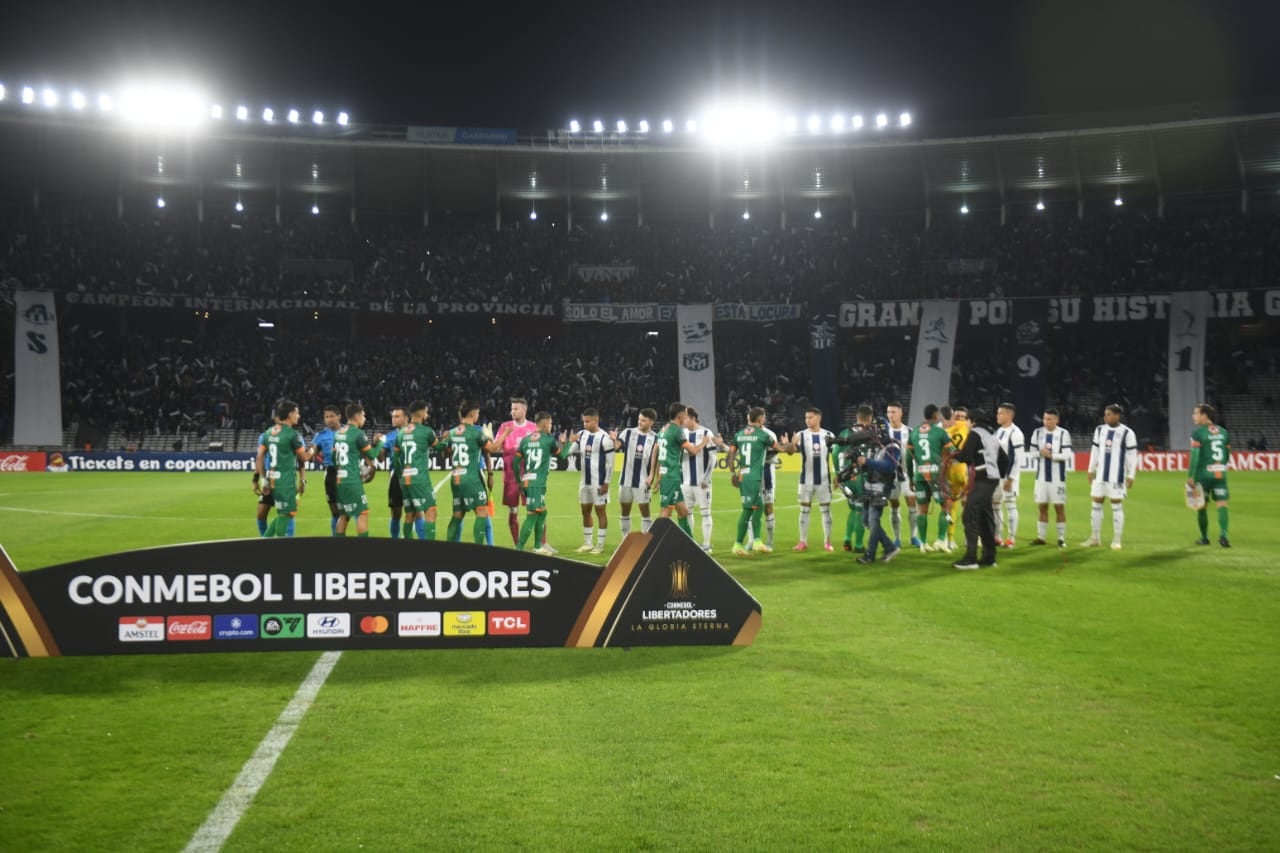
x=382, y=170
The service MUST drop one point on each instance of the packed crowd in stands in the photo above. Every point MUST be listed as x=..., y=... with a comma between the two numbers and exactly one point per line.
x=464, y=258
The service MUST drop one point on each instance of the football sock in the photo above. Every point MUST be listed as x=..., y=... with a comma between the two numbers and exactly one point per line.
x=1062, y=530
x=895, y=521
x=540, y=528
x=1011, y=510
x=849, y=525
x=525, y=531
x=1202, y=519
x=756, y=516
x=290, y=526
x=454, y=532
x=913, y=515
x=395, y=528
x=262, y=526
x=488, y=528
x=1117, y=521
x=922, y=526
x=428, y=533
x=513, y=522
x=341, y=534
x=1095, y=520
x=683, y=521
x=804, y=524
x=601, y=532
x=744, y=521
x=770, y=521
x=624, y=524
x=364, y=535
x=645, y=524
x=420, y=528
x=827, y=524
x=706, y=526
x=479, y=530
x=1042, y=529
x=1223, y=520
x=586, y=536
x=406, y=532
x=944, y=525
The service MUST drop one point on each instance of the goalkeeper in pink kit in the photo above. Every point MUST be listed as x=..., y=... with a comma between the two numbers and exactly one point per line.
x=509, y=436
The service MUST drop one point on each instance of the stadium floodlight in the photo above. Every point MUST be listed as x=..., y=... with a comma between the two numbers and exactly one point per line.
x=668, y=125
x=597, y=126
x=1040, y=204
x=28, y=95
x=533, y=215
x=317, y=117
x=268, y=115
x=242, y=113
x=882, y=121
x=105, y=103
x=691, y=126
x=266, y=324
x=746, y=214
x=160, y=202
x=1119, y=201
x=814, y=123
x=78, y=100
x=239, y=206
x=215, y=111
x=343, y=118
x=739, y=124
x=315, y=210
x=164, y=104
x=837, y=122
x=904, y=120
x=575, y=126
x=292, y=116
x=644, y=126
x=622, y=126
x=49, y=97
x=964, y=209
x=790, y=123
x=857, y=121
x=604, y=216
x=817, y=213
x=3, y=91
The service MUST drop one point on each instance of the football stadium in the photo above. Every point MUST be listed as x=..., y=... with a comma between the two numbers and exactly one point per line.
x=473, y=463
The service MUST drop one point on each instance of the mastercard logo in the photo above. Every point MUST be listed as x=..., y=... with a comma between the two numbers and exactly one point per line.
x=374, y=625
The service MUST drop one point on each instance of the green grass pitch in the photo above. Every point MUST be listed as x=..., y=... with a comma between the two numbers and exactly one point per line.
x=1092, y=700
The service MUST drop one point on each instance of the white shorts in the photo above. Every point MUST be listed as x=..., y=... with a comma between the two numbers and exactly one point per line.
x=696, y=496
x=591, y=495
x=1051, y=493
x=633, y=494
x=766, y=495
x=902, y=489
x=820, y=493
x=1110, y=491
x=1010, y=496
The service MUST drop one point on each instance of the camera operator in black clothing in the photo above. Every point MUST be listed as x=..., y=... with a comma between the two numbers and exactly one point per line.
x=989, y=463
x=871, y=451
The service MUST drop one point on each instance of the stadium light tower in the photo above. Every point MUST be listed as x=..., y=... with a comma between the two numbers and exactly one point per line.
x=343, y=119
x=293, y=116
x=621, y=126
x=28, y=95
x=575, y=126
x=904, y=120
x=242, y=113
x=597, y=126
x=644, y=126
x=317, y=117
x=882, y=121
x=268, y=115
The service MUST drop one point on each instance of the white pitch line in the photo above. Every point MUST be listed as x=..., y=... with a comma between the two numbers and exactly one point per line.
x=221, y=822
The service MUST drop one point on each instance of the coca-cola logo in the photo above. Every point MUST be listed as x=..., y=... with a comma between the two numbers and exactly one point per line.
x=13, y=462
x=190, y=628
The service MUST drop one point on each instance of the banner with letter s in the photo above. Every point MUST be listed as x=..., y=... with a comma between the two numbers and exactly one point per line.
x=934, y=352
x=37, y=388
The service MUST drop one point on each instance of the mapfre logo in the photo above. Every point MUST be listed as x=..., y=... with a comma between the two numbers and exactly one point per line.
x=18, y=463
x=508, y=622
x=141, y=629
x=190, y=628
x=418, y=624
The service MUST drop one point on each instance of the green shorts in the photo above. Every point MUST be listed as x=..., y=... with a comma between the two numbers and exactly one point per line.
x=469, y=495
x=752, y=494
x=352, y=501
x=1215, y=488
x=285, y=499
x=418, y=496
x=670, y=490
x=928, y=490
x=535, y=498
x=853, y=490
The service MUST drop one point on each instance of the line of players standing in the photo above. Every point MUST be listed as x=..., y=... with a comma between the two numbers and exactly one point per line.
x=953, y=456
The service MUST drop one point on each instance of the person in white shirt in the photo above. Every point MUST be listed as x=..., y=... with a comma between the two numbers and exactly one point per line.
x=1113, y=461
x=815, y=446
x=1010, y=437
x=902, y=488
x=1051, y=445
x=634, y=454
x=595, y=449
x=695, y=472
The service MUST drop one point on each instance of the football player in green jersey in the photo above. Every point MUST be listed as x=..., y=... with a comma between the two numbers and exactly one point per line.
x=534, y=458
x=467, y=444
x=1210, y=453
x=350, y=444
x=666, y=474
x=414, y=443
x=748, y=456
x=927, y=446
x=280, y=458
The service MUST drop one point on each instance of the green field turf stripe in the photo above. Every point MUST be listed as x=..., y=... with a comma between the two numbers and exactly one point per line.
x=218, y=826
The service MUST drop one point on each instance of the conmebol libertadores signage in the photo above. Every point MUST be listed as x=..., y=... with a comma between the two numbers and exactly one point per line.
x=322, y=593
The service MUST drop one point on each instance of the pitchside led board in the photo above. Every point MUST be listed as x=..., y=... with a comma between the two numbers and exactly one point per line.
x=659, y=589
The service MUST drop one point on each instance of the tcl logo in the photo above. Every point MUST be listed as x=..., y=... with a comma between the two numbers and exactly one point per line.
x=189, y=628
x=508, y=622
x=21, y=462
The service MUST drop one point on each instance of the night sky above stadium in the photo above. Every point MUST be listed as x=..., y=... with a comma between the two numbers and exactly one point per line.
x=536, y=65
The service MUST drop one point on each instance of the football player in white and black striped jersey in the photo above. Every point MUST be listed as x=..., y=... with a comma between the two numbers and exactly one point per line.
x=815, y=446
x=696, y=470
x=1051, y=445
x=634, y=452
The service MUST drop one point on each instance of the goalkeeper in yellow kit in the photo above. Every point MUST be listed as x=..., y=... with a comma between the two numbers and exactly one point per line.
x=956, y=422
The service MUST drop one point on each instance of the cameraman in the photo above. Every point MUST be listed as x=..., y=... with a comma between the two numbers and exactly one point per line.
x=878, y=457
x=989, y=463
